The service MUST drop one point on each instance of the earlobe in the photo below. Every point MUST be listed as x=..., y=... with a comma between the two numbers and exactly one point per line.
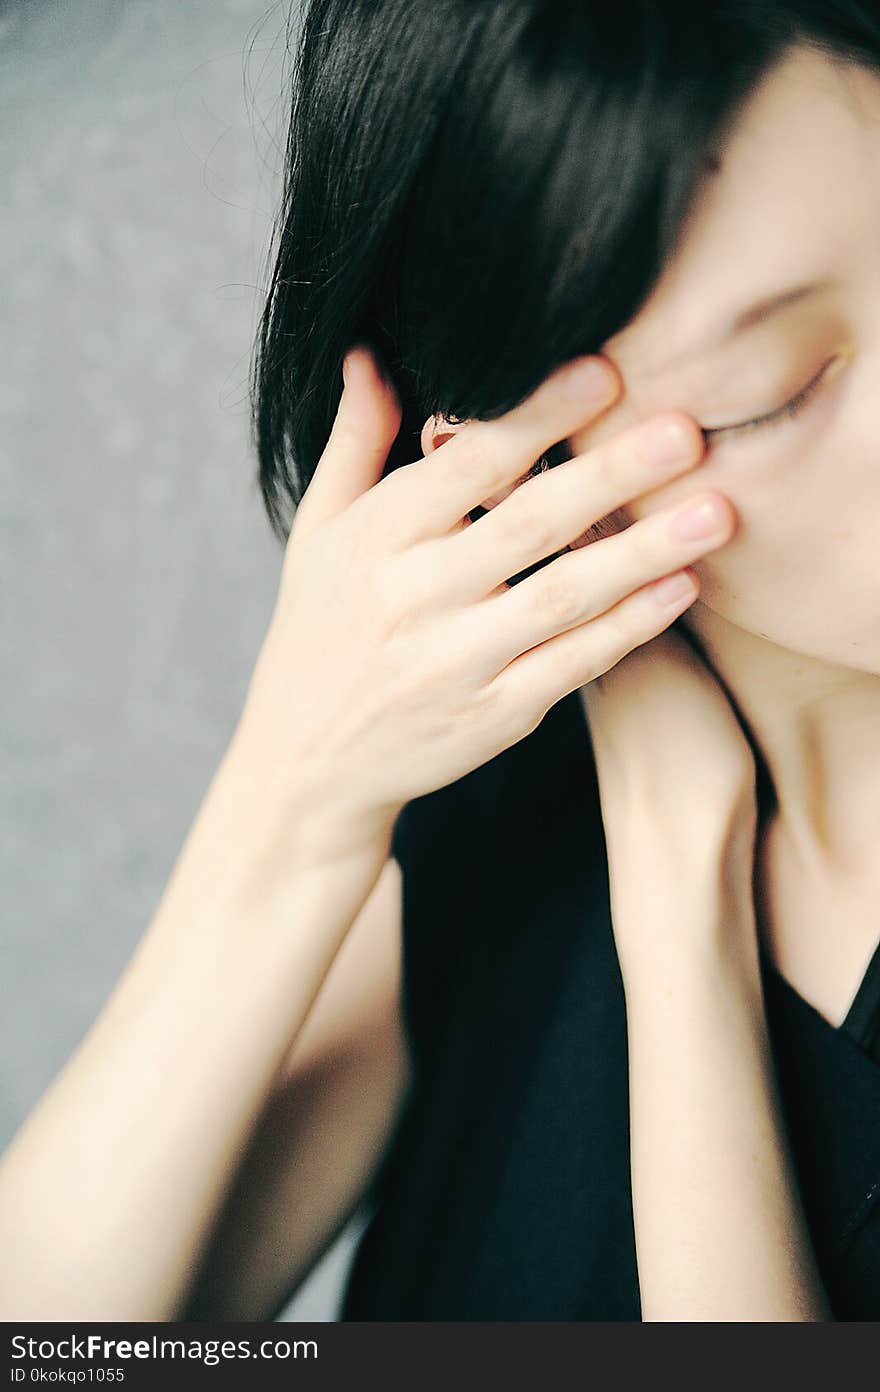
x=436, y=431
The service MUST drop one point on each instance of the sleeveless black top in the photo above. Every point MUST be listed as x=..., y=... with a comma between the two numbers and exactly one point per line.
x=505, y=1191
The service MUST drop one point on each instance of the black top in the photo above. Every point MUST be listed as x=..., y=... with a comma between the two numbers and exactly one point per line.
x=505, y=1193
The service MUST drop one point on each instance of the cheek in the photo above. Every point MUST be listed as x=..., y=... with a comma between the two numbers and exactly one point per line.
x=803, y=576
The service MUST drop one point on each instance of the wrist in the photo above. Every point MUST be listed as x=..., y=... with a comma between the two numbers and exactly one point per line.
x=682, y=981
x=680, y=910
x=300, y=805
x=258, y=865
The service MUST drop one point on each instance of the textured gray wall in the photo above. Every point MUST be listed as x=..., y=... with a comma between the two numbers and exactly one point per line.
x=140, y=167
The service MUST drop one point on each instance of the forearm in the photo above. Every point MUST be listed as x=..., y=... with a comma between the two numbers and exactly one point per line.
x=720, y=1233
x=108, y=1192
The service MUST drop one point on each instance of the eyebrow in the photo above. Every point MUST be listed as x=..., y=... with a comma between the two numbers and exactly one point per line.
x=753, y=314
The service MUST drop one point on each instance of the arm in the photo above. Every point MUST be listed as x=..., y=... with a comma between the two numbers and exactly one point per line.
x=324, y=1130
x=720, y=1233
x=109, y=1191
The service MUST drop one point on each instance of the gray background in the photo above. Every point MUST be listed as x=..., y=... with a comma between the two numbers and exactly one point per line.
x=140, y=167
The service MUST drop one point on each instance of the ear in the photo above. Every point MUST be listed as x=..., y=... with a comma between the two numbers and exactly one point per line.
x=436, y=431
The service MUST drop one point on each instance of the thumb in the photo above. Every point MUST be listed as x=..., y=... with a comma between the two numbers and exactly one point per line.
x=366, y=424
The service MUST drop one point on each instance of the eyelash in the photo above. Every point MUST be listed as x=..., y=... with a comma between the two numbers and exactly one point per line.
x=791, y=409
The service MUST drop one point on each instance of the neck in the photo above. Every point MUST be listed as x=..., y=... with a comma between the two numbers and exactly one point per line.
x=815, y=729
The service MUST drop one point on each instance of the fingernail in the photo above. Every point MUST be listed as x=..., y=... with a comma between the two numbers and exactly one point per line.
x=674, y=589
x=667, y=442
x=594, y=379
x=697, y=523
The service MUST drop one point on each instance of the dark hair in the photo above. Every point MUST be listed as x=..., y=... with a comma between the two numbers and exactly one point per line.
x=484, y=189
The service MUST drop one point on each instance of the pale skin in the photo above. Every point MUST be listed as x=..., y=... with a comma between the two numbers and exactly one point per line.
x=271, y=967
x=787, y=616
x=787, y=612
x=787, y=619
x=396, y=659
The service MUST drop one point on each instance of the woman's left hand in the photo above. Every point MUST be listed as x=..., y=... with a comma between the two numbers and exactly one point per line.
x=708, y=1146
x=720, y=1229
x=676, y=779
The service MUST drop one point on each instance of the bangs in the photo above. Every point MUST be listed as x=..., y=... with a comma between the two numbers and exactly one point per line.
x=482, y=191
x=552, y=196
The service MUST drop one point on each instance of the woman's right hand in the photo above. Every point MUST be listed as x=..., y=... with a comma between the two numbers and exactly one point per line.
x=398, y=658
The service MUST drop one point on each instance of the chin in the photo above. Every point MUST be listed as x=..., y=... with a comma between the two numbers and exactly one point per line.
x=856, y=650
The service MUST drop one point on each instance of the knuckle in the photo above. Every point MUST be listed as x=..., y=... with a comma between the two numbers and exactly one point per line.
x=620, y=626
x=646, y=544
x=386, y=505
x=522, y=526
x=512, y=706
x=609, y=464
x=477, y=453
x=347, y=436
x=479, y=707
x=558, y=600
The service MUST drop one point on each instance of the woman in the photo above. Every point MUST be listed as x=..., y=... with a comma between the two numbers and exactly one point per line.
x=621, y=1062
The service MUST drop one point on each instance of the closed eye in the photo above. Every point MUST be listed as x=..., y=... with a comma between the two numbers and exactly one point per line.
x=786, y=412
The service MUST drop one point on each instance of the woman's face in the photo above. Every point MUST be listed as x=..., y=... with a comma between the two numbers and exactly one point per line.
x=793, y=210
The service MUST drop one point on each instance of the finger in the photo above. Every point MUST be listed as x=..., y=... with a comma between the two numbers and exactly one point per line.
x=366, y=424
x=490, y=455
x=545, y=674
x=581, y=585
x=547, y=513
